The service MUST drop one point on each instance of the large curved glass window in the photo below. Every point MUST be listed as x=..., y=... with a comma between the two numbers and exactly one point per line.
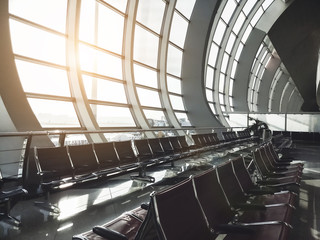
x=180, y=21
x=231, y=29
x=71, y=56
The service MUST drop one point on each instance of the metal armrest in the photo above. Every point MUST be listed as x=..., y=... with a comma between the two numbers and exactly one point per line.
x=108, y=233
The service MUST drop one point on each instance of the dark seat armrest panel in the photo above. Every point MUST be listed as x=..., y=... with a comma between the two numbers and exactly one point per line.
x=13, y=193
x=145, y=206
x=79, y=237
x=108, y=233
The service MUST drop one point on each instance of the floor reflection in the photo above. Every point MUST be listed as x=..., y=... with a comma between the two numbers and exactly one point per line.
x=96, y=203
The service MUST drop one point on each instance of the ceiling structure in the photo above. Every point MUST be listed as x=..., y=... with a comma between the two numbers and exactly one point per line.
x=100, y=64
x=296, y=36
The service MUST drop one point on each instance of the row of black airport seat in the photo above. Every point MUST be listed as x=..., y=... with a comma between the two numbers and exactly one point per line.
x=8, y=198
x=300, y=136
x=66, y=166
x=223, y=200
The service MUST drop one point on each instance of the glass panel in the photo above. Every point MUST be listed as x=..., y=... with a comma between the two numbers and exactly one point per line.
x=223, y=108
x=267, y=3
x=260, y=49
x=123, y=136
x=224, y=63
x=95, y=61
x=262, y=72
x=230, y=43
x=303, y=122
x=150, y=13
x=119, y=4
x=49, y=13
x=213, y=54
x=183, y=119
x=75, y=139
x=264, y=55
x=104, y=90
x=231, y=101
x=256, y=17
x=156, y=118
x=231, y=81
x=209, y=78
x=177, y=102
x=148, y=97
x=35, y=43
x=246, y=34
x=221, y=82
x=185, y=7
x=238, y=24
x=237, y=120
x=87, y=21
x=110, y=29
x=174, y=85
x=212, y=108
x=221, y=98
x=174, y=61
x=145, y=47
x=276, y=122
x=145, y=76
x=209, y=94
x=228, y=10
x=178, y=30
x=54, y=114
x=110, y=116
x=239, y=50
x=234, y=68
x=219, y=32
x=248, y=7
x=42, y=79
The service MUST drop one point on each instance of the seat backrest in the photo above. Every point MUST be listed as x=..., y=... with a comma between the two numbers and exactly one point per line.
x=226, y=136
x=215, y=138
x=143, y=149
x=54, y=161
x=183, y=142
x=179, y=214
x=230, y=184
x=212, y=199
x=269, y=154
x=265, y=157
x=156, y=147
x=242, y=174
x=273, y=152
x=83, y=158
x=106, y=155
x=211, y=141
x=166, y=145
x=175, y=144
x=125, y=152
x=197, y=141
x=205, y=139
x=260, y=163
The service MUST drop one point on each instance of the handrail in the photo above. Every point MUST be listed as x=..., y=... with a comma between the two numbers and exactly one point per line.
x=114, y=130
x=29, y=135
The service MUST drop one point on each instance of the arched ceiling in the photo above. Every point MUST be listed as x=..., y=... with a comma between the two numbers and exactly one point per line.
x=296, y=37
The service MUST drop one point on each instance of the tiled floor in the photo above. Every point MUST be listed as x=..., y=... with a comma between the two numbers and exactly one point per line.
x=97, y=203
